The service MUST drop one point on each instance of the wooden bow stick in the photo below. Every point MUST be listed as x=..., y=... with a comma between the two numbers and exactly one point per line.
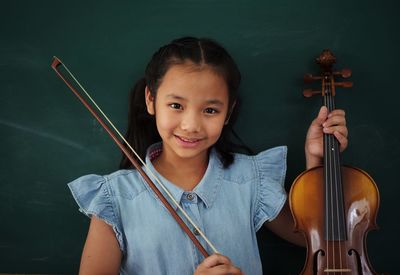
x=55, y=65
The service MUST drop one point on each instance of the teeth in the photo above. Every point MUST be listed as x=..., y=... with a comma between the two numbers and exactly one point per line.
x=188, y=140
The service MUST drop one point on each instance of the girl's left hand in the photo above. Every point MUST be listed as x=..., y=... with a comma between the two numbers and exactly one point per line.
x=325, y=123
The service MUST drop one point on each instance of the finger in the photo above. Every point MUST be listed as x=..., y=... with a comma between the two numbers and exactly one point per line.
x=343, y=141
x=216, y=259
x=340, y=129
x=335, y=120
x=338, y=112
x=226, y=269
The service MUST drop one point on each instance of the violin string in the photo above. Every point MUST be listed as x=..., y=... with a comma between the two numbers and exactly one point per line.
x=326, y=233
x=342, y=222
x=326, y=181
x=332, y=154
x=330, y=180
x=338, y=182
x=148, y=170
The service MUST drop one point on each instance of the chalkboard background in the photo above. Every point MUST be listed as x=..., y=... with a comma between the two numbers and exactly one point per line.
x=48, y=138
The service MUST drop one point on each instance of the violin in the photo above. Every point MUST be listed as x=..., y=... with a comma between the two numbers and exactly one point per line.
x=334, y=206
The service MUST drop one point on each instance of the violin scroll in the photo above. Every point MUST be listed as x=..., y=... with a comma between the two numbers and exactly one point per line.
x=326, y=61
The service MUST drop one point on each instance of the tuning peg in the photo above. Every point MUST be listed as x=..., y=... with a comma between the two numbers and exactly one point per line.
x=310, y=78
x=345, y=84
x=310, y=92
x=345, y=73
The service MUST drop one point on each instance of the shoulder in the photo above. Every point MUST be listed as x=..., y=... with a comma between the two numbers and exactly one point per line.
x=126, y=183
x=101, y=196
x=247, y=167
x=122, y=183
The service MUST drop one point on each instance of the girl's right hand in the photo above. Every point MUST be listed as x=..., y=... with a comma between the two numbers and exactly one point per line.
x=217, y=264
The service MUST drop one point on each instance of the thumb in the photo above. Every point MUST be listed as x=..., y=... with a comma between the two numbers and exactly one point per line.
x=322, y=116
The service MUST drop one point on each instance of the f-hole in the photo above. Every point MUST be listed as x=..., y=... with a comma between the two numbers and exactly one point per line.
x=315, y=260
x=359, y=268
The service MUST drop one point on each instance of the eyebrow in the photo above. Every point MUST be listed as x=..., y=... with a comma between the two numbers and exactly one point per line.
x=211, y=101
x=172, y=96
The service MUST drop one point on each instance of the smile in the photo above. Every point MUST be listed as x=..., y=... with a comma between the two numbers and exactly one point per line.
x=187, y=142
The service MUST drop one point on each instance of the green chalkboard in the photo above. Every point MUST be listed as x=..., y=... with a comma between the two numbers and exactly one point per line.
x=48, y=138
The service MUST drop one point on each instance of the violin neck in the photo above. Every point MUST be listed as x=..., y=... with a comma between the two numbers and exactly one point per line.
x=335, y=222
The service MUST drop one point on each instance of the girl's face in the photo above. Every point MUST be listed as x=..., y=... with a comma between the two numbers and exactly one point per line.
x=191, y=108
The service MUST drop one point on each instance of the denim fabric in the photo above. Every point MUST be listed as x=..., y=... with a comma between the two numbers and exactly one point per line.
x=229, y=206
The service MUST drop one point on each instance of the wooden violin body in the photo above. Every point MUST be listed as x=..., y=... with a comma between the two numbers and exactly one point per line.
x=361, y=201
x=334, y=206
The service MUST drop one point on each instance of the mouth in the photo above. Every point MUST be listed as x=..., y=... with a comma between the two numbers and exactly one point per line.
x=187, y=142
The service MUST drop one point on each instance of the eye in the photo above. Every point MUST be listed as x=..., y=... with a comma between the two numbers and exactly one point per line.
x=211, y=111
x=175, y=106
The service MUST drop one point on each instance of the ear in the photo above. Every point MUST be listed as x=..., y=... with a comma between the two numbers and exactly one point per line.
x=230, y=111
x=149, y=101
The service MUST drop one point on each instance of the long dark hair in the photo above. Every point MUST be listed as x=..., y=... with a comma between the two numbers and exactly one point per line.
x=142, y=130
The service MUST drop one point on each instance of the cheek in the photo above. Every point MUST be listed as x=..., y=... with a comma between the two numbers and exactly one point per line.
x=215, y=128
x=164, y=122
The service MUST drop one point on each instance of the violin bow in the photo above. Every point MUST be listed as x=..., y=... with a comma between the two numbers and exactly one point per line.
x=55, y=65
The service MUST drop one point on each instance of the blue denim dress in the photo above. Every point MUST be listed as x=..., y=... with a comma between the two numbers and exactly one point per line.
x=228, y=205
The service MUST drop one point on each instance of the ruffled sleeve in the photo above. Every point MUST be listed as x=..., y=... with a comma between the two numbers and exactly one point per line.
x=270, y=191
x=94, y=196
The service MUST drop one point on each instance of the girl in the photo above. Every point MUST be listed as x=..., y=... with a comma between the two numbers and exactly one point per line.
x=181, y=118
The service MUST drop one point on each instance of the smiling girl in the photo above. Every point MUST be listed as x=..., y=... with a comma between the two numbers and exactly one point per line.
x=181, y=121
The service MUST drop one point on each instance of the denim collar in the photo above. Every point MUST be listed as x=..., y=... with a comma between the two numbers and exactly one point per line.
x=206, y=189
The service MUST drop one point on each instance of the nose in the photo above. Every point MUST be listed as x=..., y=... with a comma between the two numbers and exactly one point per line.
x=191, y=122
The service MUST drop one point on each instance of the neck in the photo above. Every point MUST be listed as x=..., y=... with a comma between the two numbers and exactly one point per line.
x=184, y=173
x=335, y=225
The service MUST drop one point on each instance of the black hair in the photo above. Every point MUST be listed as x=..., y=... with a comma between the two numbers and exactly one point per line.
x=142, y=130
